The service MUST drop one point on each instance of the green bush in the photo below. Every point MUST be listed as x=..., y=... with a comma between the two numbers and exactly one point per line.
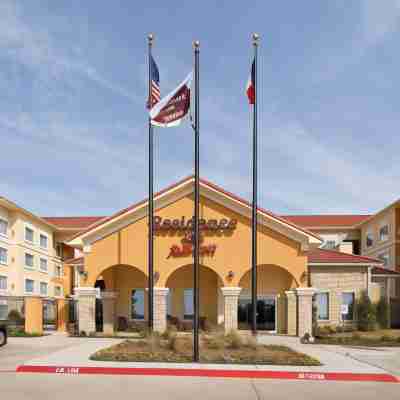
x=233, y=340
x=366, y=313
x=15, y=315
x=383, y=313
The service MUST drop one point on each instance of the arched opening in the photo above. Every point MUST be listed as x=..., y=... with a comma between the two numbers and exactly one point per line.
x=180, y=297
x=272, y=282
x=128, y=286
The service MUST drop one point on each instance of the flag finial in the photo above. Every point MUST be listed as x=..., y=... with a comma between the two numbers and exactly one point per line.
x=150, y=37
x=256, y=38
x=196, y=44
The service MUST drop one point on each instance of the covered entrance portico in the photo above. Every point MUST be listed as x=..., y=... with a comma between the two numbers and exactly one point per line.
x=115, y=252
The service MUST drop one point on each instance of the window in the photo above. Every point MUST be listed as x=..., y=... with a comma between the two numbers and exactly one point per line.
x=3, y=227
x=348, y=302
x=57, y=291
x=322, y=300
x=137, y=304
x=29, y=260
x=3, y=310
x=29, y=286
x=188, y=304
x=59, y=251
x=384, y=233
x=3, y=283
x=29, y=234
x=385, y=258
x=330, y=244
x=43, y=241
x=369, y=239
x=3, y=256
x=43, y=288
x=43, y=264
x=58, y=271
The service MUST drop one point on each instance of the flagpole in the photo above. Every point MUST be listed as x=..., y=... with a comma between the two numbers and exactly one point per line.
x=254, y=203
x=151, y=195
x=196, y=252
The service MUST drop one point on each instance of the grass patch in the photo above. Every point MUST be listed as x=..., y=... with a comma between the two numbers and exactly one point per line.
x=379, y=338
x=22, y=333
x=217, y=348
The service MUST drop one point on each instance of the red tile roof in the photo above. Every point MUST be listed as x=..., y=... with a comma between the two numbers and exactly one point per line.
x=323, y=256
x=72, y=222
x=316, y=221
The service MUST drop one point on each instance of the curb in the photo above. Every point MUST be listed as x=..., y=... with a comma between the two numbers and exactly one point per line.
x=211, y=373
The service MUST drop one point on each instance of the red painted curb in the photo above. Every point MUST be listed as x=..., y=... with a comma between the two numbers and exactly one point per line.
x=213, y=373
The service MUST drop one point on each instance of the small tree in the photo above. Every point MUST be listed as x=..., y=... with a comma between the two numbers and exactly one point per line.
x=383, y=313
x=366, y=313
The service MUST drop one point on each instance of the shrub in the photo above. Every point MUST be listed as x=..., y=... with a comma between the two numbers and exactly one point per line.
x=251, y=342
x=169, y=332
x=15, y=315
x=215, y=341
x=387, y=338
x=233, y=340
x=383, y=313
x=356, y=336
x=366, y=313
x=332, y=329
x=322, y=331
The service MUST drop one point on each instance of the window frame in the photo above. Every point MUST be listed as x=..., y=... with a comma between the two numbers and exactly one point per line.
x=2, y=279
x=47, y=288
x=43, y=235
x=6, y=253
x=132, y=316
x=33, y=261
x=55, y=291
x=353, y=307
x=33, y=286
x=323, y=293
x=56, y=267
x=382, y=226
x=47, y=265
x=6, y=222
x=29, y=227
x=369, y=236
x=187, y=316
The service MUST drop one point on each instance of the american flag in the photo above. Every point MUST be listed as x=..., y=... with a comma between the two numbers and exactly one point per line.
x=154, y=95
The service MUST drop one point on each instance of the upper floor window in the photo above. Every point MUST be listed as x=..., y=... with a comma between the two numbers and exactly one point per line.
x=29, y=260
x=3, y=283
x=44, y=241
x=384, y=233
x=3, y=256
x=43, y=288
x=59, y=250
x=3, y=227
x=58, y=271
x=369, y=239
x=43, y=265
x=385, y=258
x=57, y=291
x=29, y=286
x=330, y=244
x=29, y=234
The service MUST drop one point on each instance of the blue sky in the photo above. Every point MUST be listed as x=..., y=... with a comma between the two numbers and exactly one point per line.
x=73, y=87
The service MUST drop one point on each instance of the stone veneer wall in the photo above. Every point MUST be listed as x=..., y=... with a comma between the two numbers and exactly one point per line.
x=336, y=280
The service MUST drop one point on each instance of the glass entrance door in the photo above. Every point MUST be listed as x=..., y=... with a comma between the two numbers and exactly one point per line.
x=266, y=307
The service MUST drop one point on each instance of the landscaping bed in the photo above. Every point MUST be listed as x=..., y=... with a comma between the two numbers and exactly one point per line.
x=379, y=338
x=213, y=349
x=22, y=333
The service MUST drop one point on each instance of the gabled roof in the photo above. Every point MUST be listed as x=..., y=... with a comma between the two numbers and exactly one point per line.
x=327, y=220
x=205, y=185
x=333, y=257
x=72, y=223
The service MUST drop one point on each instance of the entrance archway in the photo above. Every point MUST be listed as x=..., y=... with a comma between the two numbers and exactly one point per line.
x=180, y=301
x=272, y=282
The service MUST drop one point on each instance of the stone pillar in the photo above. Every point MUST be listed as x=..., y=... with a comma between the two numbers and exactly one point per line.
x=33, y=315
x=281, y=312
x=304, y=310
x=291, y=319
x=231, y=297
x=86, y=309
x=108, y=300
x=160, y=296
x=62, y=315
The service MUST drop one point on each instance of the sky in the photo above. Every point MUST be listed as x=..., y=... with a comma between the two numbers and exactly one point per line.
x=73, y=85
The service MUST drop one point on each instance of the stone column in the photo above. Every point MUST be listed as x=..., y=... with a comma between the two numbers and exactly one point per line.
x=304, y=310
x=86, y=309
x=291, y=319
x=160, y=295
x=231, y=297
x=33, y=315
x=108, y=300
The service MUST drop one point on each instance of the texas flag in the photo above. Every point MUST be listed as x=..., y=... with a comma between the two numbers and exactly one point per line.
x=250, y=88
